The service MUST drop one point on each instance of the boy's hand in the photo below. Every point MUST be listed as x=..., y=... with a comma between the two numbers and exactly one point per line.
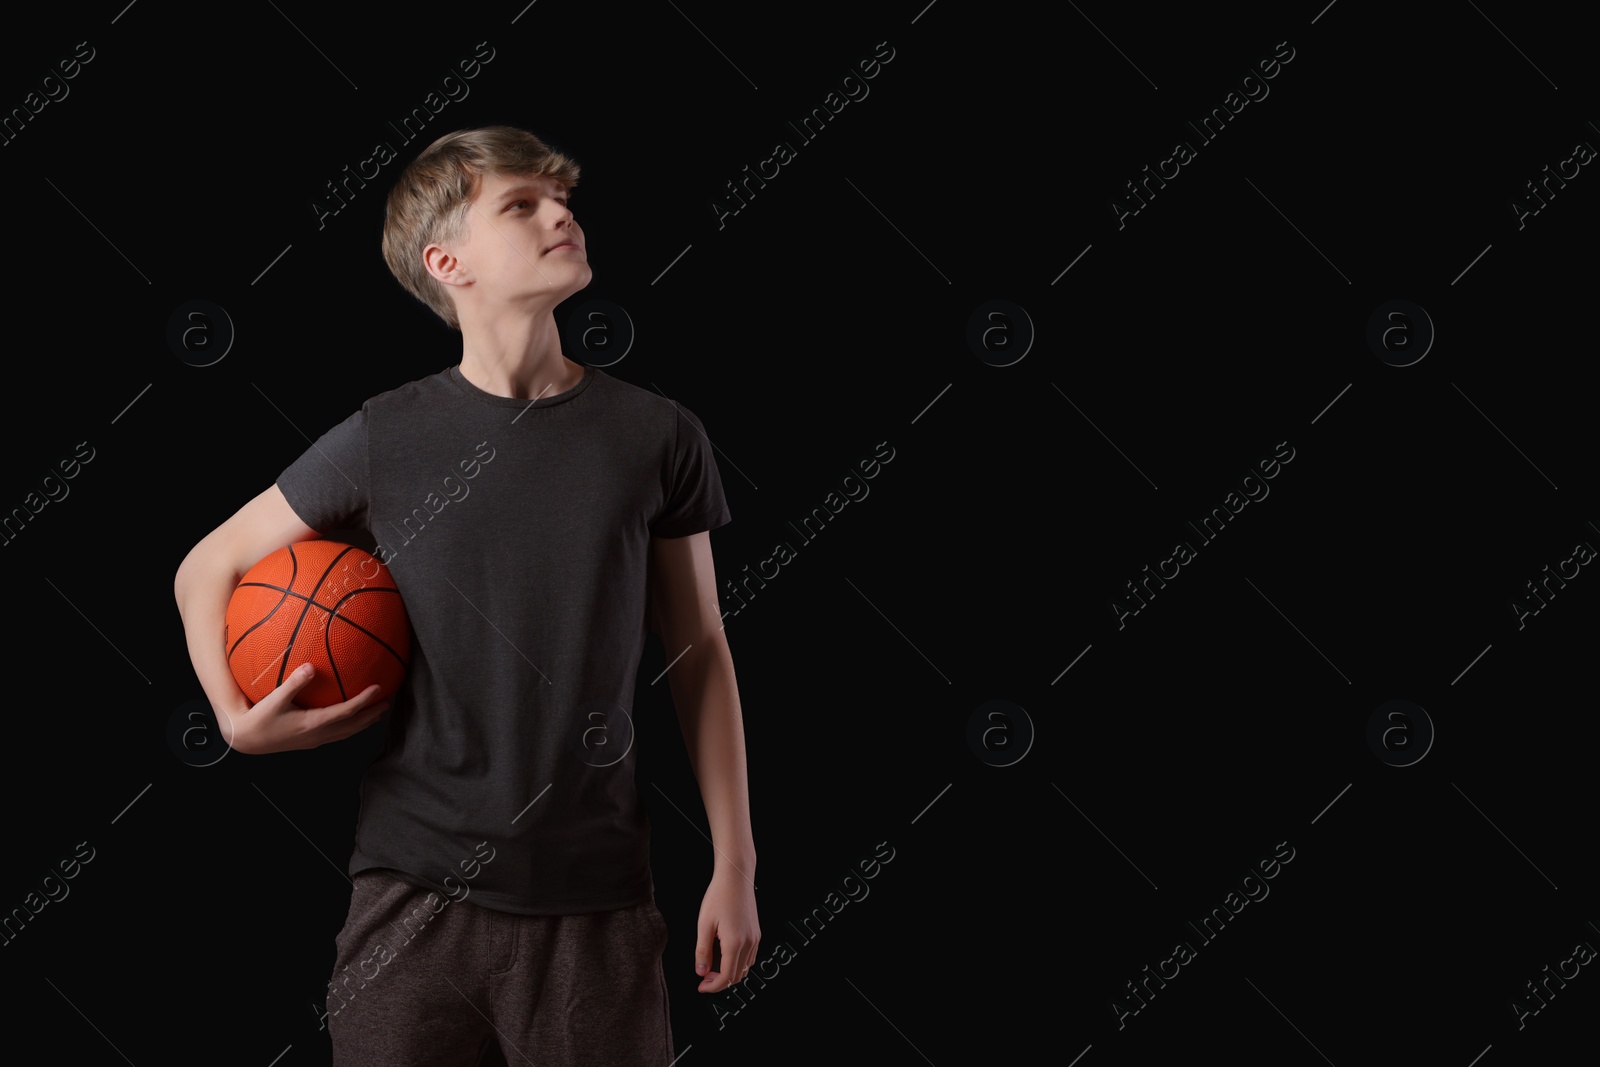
x=276, y=724
x=728, y=917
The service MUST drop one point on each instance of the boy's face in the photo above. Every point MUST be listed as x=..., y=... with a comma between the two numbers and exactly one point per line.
x=522, y=241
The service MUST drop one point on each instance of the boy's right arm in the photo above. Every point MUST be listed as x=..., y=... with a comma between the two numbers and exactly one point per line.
x=204, y=584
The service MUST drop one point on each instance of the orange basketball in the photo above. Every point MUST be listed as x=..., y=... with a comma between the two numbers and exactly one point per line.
x=324, y=603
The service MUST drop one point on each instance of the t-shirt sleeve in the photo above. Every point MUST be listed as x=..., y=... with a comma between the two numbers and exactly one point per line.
x=327, y=486
x=694, y=499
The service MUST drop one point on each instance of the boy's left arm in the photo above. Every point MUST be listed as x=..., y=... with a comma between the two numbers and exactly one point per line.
x=684, y=611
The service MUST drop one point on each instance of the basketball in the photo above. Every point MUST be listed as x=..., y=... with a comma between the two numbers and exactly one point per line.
x=320, y=602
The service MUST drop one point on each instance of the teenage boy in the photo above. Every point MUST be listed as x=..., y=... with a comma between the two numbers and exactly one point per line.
x=537, y=516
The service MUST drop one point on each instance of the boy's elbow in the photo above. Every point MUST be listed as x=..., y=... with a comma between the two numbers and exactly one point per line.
x=184, y=576
x=195, y=567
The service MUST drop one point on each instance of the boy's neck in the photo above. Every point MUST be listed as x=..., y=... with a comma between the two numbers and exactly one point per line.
x=517, y=359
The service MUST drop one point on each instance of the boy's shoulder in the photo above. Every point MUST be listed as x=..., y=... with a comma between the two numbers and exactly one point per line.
x=642, y=402
x=634, y=397
x=420, y=389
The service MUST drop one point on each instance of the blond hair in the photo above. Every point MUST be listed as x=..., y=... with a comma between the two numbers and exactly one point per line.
x=429, y=201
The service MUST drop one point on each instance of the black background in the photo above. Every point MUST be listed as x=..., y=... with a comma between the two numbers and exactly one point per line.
x=829, y=315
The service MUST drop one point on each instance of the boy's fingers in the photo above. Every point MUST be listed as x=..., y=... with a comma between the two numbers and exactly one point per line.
x=355, y=704
x=364, y=702
x=284, y=693
x=714, y=964
x=366, y=696
x=369, y=716
x=299, y=678
x=347, y=713
x=353, y=726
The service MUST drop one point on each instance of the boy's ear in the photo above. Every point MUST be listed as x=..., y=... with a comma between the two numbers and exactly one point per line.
x=445, y=268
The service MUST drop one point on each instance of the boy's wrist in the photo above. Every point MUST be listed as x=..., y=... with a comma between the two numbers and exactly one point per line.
x=734, y=863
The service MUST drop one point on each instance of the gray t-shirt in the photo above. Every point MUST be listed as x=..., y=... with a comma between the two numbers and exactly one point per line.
x=518, y=535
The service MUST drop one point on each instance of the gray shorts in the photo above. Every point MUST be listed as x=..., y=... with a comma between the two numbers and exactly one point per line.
x=421, y=981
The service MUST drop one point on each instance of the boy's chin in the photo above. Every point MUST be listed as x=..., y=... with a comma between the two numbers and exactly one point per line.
x=579, y=279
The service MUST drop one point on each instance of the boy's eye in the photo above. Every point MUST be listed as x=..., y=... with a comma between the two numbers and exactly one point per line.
x=523, y=203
